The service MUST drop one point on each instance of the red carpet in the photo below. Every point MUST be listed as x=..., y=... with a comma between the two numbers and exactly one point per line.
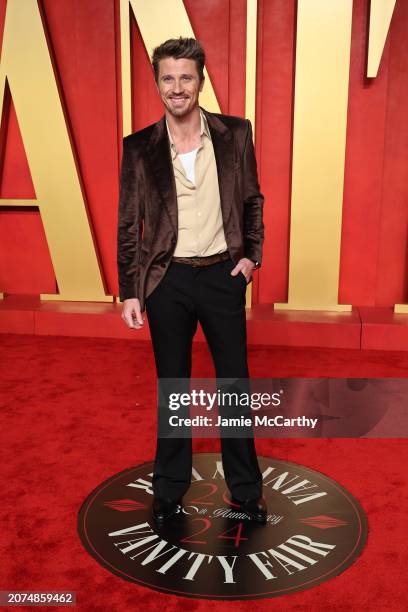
x=75, y=411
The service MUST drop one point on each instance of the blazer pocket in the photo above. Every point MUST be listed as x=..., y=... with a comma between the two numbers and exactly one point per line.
x=243, y=277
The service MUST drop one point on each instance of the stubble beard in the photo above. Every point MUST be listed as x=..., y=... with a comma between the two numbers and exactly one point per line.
x=180, y=112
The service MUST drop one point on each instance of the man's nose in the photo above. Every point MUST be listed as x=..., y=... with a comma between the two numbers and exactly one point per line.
x=178, y=86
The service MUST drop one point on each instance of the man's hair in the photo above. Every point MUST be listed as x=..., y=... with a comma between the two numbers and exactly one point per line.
x=188, y=48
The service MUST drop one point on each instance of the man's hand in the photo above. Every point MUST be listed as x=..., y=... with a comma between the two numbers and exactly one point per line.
x=246, y=266
x=131, y=313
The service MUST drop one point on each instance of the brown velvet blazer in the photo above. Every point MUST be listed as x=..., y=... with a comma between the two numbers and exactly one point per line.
x=147, y=211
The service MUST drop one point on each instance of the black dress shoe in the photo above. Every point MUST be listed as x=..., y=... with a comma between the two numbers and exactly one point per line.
x=164, y=508
x=255, y=508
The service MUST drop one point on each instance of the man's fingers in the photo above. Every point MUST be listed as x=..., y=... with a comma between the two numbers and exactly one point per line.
x=128, y=320
x=237, y=270
x=133, y=317
x=137, y=316
x=242, y=266
x=132, y=322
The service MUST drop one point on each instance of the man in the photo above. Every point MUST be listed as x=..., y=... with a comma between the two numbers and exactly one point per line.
x=191, y=181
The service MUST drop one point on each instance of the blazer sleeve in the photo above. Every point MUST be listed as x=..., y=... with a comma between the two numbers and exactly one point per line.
x=129, y=227
x=253, y=202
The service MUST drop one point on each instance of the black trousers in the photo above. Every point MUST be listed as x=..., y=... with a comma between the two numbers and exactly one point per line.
x=210, y=295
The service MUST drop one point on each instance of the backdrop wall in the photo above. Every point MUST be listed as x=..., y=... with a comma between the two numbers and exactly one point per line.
x=84, y=44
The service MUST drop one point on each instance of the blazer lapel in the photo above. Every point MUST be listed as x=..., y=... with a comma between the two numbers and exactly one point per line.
x=223, y=144
x=160, y=160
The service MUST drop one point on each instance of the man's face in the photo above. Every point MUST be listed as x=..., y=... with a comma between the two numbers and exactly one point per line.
x=179, y=85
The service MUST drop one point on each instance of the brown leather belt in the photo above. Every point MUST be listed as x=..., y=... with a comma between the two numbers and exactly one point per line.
x=203, y=261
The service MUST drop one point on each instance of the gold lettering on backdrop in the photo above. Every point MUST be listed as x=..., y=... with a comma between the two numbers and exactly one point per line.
x=26, y=64
x=380, y=18
x=321, y=87
x=323, y=42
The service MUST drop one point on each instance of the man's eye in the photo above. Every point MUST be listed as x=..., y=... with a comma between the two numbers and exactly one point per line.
x=186, y=78
x=166, y=78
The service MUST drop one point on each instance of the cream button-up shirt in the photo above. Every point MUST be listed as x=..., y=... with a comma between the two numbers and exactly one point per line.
x=200, y=226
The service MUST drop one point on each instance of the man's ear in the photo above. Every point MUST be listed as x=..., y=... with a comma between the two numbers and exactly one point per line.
x=202, y=84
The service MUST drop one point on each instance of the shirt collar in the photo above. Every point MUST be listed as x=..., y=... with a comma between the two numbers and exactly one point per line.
x=204, y=130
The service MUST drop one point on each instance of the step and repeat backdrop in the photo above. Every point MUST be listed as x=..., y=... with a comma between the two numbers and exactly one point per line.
x=325, y=85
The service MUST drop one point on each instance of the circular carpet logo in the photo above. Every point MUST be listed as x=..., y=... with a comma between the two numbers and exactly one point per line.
x=210, y=548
